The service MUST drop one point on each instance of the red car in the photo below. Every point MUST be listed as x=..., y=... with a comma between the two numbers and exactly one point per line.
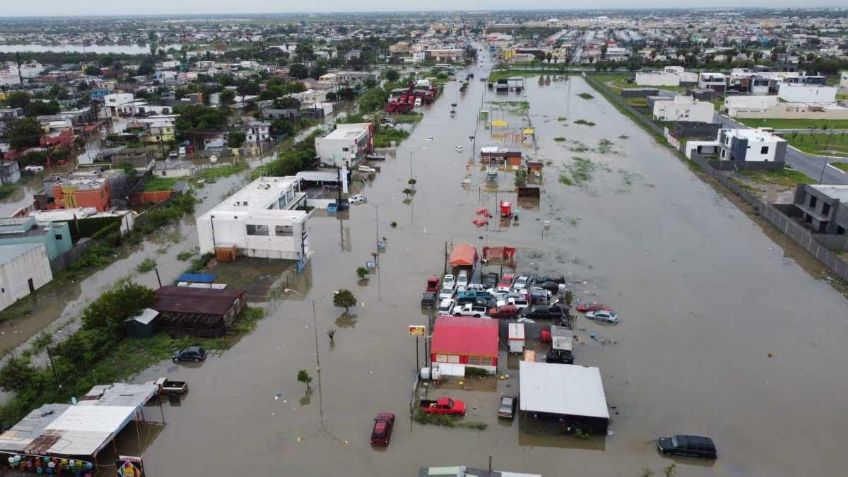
x=587, y=307
x=505, y=311
x=506, y=281
x=433, y=284
x=382, y=432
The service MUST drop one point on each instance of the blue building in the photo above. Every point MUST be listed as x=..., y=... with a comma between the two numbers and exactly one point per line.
x=56, y=237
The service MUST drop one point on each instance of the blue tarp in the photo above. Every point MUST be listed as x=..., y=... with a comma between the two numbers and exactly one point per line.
x=197, y=277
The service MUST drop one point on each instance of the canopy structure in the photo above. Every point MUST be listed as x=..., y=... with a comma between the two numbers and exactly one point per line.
x=463, y=255
x=574, y=394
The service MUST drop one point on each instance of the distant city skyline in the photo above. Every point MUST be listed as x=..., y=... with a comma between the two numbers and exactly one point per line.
x=187, y=7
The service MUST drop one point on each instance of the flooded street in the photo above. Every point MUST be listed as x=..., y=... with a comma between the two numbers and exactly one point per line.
x=721, y=333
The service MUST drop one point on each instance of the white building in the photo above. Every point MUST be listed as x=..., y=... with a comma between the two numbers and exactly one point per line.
x=735, y=105
x=657, y=78
x=684, y=108
x=743, y=145
x=118, y=103
x=256, y=132
x=260, y=220
x=24, y=268
x=346, y=145
x=714, y=81
x=802, y=93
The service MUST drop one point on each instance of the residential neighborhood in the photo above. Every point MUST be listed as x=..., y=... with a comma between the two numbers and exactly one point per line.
x=540, y=242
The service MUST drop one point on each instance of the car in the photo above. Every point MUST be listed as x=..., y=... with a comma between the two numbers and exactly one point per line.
x=470, y=309
x=192, y=353
x=366, y=169
x=469, y=296
x=356, y=199
x=550, y=286
x=448, y=287
x=173, y=154
x=462, y=280
x=538, y=296
x=587, y=307
x=459, y=148
x=506, y=408
x=689, y=446
x=506, y=282
x=521, y=282
x=446, y=306
x=33, y=169
x=558, y=279
x=603, y=315
x=213, y=159
x=505, y=311
x=381, y=434
x=429, y=299
x=543, y=312
x=490, y=280
x=517, y=301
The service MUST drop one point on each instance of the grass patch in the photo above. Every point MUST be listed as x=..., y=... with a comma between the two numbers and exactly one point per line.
x=584, y=122
x=384, y=136
x=562, y=118
x=185, y=255
x=7, y=189
x=424, y=418
x=505, y=73
x=410, y=118
x=515, y=107
x=559, y=139
x=146, y=265
x=795, y=123
x=564, y=179
x=605, y=146
x=579, y=172
x=158, y=184
x=212, y=174
x=842, y=166
x=786, y=177
x=824, y=144
x=586, y=96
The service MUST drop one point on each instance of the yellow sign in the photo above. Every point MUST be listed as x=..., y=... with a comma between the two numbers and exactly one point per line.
x=499, y=123
x=417, y=330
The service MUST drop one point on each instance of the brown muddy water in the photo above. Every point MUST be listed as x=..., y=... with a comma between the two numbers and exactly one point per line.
x=721, y=333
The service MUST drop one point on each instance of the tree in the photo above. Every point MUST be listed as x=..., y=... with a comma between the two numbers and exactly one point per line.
x=569, y=297
x=17, y=99
x=344, y=299
x=282, y=128
x=412, y=182
x=41, y=108
x=362, y=273
x=298, y=70
x=304, y=377
x=147, y=66
x=92, y=70
x=235, y=139
x=373, y=100
x=392, y=75
x=23, y=133
x=227, y=97
x=108, y=312
x=16, y=374
x=317, y=71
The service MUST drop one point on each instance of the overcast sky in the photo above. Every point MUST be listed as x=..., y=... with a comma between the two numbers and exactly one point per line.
x=158, y=7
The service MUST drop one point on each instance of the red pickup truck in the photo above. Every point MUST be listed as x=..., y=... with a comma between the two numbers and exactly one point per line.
x=443, y=405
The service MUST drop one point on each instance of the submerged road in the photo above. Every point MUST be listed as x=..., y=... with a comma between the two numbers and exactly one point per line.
x=723, y=332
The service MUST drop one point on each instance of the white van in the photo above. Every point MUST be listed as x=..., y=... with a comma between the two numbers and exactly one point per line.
x=462, y=280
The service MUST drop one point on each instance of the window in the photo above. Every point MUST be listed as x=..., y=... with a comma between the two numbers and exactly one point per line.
x=825, y=209
x=344, y=149
x=257, y=229
x=283, y=231
x=813, y=201
x=480, y=360
x=764, y=150
x=58, y=236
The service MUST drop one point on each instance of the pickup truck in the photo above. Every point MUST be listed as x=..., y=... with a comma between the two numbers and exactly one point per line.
x=468, y=309
x=473, y=296
x=166, y=386
x=443, y=405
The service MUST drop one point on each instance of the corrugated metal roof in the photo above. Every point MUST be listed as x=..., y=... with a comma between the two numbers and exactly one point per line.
x=204, y=301
x=562, y=389
x=465, y=336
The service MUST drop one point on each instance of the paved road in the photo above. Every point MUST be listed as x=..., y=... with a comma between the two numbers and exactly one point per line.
x=813, y=166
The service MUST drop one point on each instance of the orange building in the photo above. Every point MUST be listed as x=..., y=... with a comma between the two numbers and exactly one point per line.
x=93, y=192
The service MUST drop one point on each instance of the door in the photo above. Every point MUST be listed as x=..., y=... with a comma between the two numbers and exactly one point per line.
x=31, y=285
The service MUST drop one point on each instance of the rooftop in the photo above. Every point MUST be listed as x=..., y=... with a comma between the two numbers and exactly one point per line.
x=260, y=195
x=465, y=336
x=839, y=192
x=562, y=389
x=753, y=135
x=10, y=252
x=201, y=301
x=348, y=131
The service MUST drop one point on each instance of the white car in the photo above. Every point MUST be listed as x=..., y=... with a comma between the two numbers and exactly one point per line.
x=462, y=281
x=459, y=148
x=603, y=315
x=448, y=287
x=173, y=154
x=521, y=282
x=470, y=309
x=366, y=169
x=34, y=168
x=446, y=306
x=518, y=302
x=356, y=199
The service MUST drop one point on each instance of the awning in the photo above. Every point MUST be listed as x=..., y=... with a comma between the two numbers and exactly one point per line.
x=463, y=255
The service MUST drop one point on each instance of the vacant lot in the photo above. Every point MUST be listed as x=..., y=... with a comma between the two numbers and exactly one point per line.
x=795, y=123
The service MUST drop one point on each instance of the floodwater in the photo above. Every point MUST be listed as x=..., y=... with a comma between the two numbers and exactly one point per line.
x=721, y=332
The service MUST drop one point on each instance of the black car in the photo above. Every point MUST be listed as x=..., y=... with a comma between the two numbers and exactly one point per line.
x=192, y=353
x=506, y=408
x=561, y=356
x=558, y=279
x=544, y=312
x=429, y=299
x=550, y=286
x=689, y=446
x=490, y=280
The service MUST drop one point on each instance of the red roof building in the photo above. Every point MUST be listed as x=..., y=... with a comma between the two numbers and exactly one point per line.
x=465, y=340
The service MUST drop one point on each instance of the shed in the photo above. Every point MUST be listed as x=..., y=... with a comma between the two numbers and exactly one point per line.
x=141, y=325
x=207, y=312
x=465, y=340
x=573, y=395
x=463, y=255
x=197, y=277
x=516, y=337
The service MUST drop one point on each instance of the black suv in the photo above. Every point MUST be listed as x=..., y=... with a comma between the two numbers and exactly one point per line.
x=544, y=312
x=690, y=446
x=192, y=353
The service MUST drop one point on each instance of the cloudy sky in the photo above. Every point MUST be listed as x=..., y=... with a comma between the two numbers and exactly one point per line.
x=153, y=7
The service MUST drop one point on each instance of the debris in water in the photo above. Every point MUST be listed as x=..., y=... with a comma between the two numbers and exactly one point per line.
x=770, y=355
x=277, y=396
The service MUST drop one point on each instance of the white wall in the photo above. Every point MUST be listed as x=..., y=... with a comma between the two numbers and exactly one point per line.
x=697, y=111
x=14, y=275
x=807, y=94
x=229, y=231
x=657, y=79
x=843, y=80
x=738, y=104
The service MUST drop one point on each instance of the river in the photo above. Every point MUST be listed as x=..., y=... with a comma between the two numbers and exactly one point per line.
x=722, y=333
